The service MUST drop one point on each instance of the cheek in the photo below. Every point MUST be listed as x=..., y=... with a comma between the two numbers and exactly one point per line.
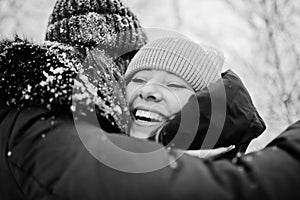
x=128, y=92
x=177, y=100
x=185, y=97
x=131, y=90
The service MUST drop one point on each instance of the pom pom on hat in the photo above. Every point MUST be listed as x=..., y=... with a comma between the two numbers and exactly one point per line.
x=89, y=23
x=198, y=65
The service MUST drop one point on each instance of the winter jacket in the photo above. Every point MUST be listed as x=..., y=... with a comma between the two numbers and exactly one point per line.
x=43, y=157
x=226, y=117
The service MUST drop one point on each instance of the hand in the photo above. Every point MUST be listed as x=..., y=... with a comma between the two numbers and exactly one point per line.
x=209, y=153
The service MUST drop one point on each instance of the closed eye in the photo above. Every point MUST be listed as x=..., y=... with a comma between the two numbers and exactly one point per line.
x=138, y=80
x=176, y=85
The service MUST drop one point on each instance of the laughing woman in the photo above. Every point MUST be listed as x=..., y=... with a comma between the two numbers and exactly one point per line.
x=174, y=77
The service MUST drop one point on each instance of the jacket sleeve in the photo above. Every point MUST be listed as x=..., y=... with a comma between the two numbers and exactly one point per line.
x=222, y=114
x=50, y=161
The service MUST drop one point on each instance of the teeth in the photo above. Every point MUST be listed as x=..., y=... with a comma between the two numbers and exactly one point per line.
x=148, y=114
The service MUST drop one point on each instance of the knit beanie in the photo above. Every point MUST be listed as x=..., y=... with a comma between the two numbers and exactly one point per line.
x=109, y=24
x=198, y=65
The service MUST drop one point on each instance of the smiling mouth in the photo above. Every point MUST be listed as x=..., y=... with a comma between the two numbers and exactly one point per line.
x=146, y=116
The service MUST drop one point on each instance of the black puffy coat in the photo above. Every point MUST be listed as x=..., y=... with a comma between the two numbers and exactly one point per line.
x=45, y=159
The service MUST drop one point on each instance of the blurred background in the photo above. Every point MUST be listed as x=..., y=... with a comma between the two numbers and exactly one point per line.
x=260, y=39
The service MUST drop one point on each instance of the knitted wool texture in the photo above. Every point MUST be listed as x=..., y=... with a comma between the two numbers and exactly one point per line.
x=108, y=25
x=88, y=23
x=198, y=65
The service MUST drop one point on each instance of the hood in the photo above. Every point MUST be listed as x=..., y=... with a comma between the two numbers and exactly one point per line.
x=235, y=123
x=52, y=74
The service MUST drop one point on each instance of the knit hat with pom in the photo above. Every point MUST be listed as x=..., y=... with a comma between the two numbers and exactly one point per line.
x=198, y=65
x=109, y=24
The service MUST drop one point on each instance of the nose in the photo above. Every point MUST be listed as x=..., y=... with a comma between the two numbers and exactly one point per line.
x=151, y=92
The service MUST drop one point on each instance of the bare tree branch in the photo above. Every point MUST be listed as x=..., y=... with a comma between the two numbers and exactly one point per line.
x=277, y=41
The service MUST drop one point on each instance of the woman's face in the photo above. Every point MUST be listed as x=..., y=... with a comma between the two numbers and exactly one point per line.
x=154, y=96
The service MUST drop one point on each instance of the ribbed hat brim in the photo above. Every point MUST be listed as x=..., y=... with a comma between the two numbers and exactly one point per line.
x=197, y=64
